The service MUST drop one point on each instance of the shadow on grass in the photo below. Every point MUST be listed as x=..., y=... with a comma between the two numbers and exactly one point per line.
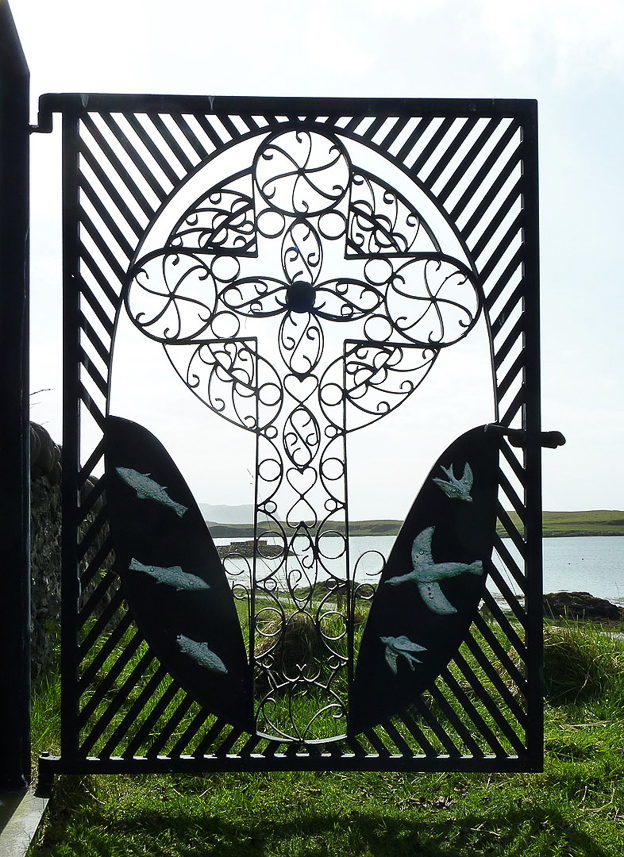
x=540, y=832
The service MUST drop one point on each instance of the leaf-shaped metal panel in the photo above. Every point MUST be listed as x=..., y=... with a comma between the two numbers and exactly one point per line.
x=432, y=583
x=171, y=574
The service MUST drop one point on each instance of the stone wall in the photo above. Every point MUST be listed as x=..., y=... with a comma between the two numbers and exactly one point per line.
x=45, y=547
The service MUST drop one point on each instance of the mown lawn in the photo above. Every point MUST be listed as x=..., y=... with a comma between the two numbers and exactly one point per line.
x=575, y=807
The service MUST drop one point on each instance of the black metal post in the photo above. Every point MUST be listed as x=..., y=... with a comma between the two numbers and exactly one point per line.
x=14, y=425
x=533, y=451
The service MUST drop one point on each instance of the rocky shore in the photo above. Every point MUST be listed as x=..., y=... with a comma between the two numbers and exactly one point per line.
x=247, y=549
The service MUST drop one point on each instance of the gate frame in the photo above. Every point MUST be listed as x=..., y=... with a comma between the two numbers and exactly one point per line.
x=531, y=438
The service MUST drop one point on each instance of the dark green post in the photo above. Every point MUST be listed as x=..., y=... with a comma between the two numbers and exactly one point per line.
x=14, y=424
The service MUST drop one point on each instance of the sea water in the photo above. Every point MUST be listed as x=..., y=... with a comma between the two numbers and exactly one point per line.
x=593, y=564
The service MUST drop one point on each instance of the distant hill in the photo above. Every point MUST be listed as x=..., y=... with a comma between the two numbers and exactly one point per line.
x=599, y=522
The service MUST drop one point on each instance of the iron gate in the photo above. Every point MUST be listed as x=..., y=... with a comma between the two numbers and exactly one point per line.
x=300, y=266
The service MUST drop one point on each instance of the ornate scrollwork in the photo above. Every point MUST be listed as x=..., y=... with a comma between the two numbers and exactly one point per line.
x=304, y=240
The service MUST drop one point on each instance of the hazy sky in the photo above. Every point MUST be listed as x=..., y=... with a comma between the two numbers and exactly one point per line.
x=568, y=55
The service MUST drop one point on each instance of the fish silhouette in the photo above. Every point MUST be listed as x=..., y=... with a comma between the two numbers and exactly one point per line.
x=172, y=576
x=147, y=489
x=200, y=653
x=427, y=574
x=456, y=489
x=401, y=647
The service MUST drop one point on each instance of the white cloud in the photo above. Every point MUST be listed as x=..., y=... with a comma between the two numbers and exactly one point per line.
x=328, y=44
x=580, y=38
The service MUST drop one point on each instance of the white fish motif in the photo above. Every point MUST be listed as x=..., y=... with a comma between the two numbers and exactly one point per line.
x=147, y=489
x=427, y=574
x=401, y=647
x=201, y=654
x=457, y=489
x=172, y=576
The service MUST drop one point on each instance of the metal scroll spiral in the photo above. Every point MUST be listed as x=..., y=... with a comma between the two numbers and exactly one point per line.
x=302, y=298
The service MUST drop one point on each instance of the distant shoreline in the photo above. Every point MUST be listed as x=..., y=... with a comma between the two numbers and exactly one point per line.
x=601, y=522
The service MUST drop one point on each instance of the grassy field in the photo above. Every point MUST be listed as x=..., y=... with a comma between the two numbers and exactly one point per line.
x=601, y=522
x=575, y=808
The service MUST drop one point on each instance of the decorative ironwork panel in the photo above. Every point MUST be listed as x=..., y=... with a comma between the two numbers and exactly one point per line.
x=300, y=266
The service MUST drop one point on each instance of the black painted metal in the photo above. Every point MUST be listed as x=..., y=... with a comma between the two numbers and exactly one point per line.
x=325, y=171
x=14, y=425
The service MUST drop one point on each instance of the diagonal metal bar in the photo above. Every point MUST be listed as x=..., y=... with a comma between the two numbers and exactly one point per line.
x=514, y=408
x=433, y=144
x=488, y=703
x=495, y=290
x=139, y=163
x=467, y=161
x=413, y=138
x=190, y=732
x=92, y=371
x=192, y=138
x=436, y=727
x=513, y=233
x=513, y=462
x=96, y=730
x=116, y=199
x=488, y=204
x=511, y=530
x=514, y=198
x=210, y=737
x=94, y=599
x=89, y=332
x=104, y=248
x=450, y=151
x=101, y=624
x=171, y=142
x=505, y=625
x=484, y=171
x=418, y=734
x=505, y=694
x=153, y=149
x=116, y=165
x=87, y=470
x=101, y=279
x=377, y=742
x=107, y=219
x=510, y=493
x=463, y=733
x=129, y=722
x=519, y=579
x=89, y=499
x=227, y=744
x=167, y=729
x=471, y=712
x=108, y=679
x=95, y=529
x=94, y=304
x=504, y=659
x=393, y=733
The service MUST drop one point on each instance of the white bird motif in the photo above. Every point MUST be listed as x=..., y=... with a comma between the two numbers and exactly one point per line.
x=147, y=489
x=401, y=647
x=172, y=576
x=201, y=654
x=427, y=574
x=457, y=489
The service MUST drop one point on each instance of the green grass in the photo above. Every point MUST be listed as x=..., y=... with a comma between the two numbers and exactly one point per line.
x=575, y=808
x=600, y=522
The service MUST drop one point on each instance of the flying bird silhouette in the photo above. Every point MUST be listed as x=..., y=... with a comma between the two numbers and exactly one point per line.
x=427, y=574
x=457, y=489
x=401, y=647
